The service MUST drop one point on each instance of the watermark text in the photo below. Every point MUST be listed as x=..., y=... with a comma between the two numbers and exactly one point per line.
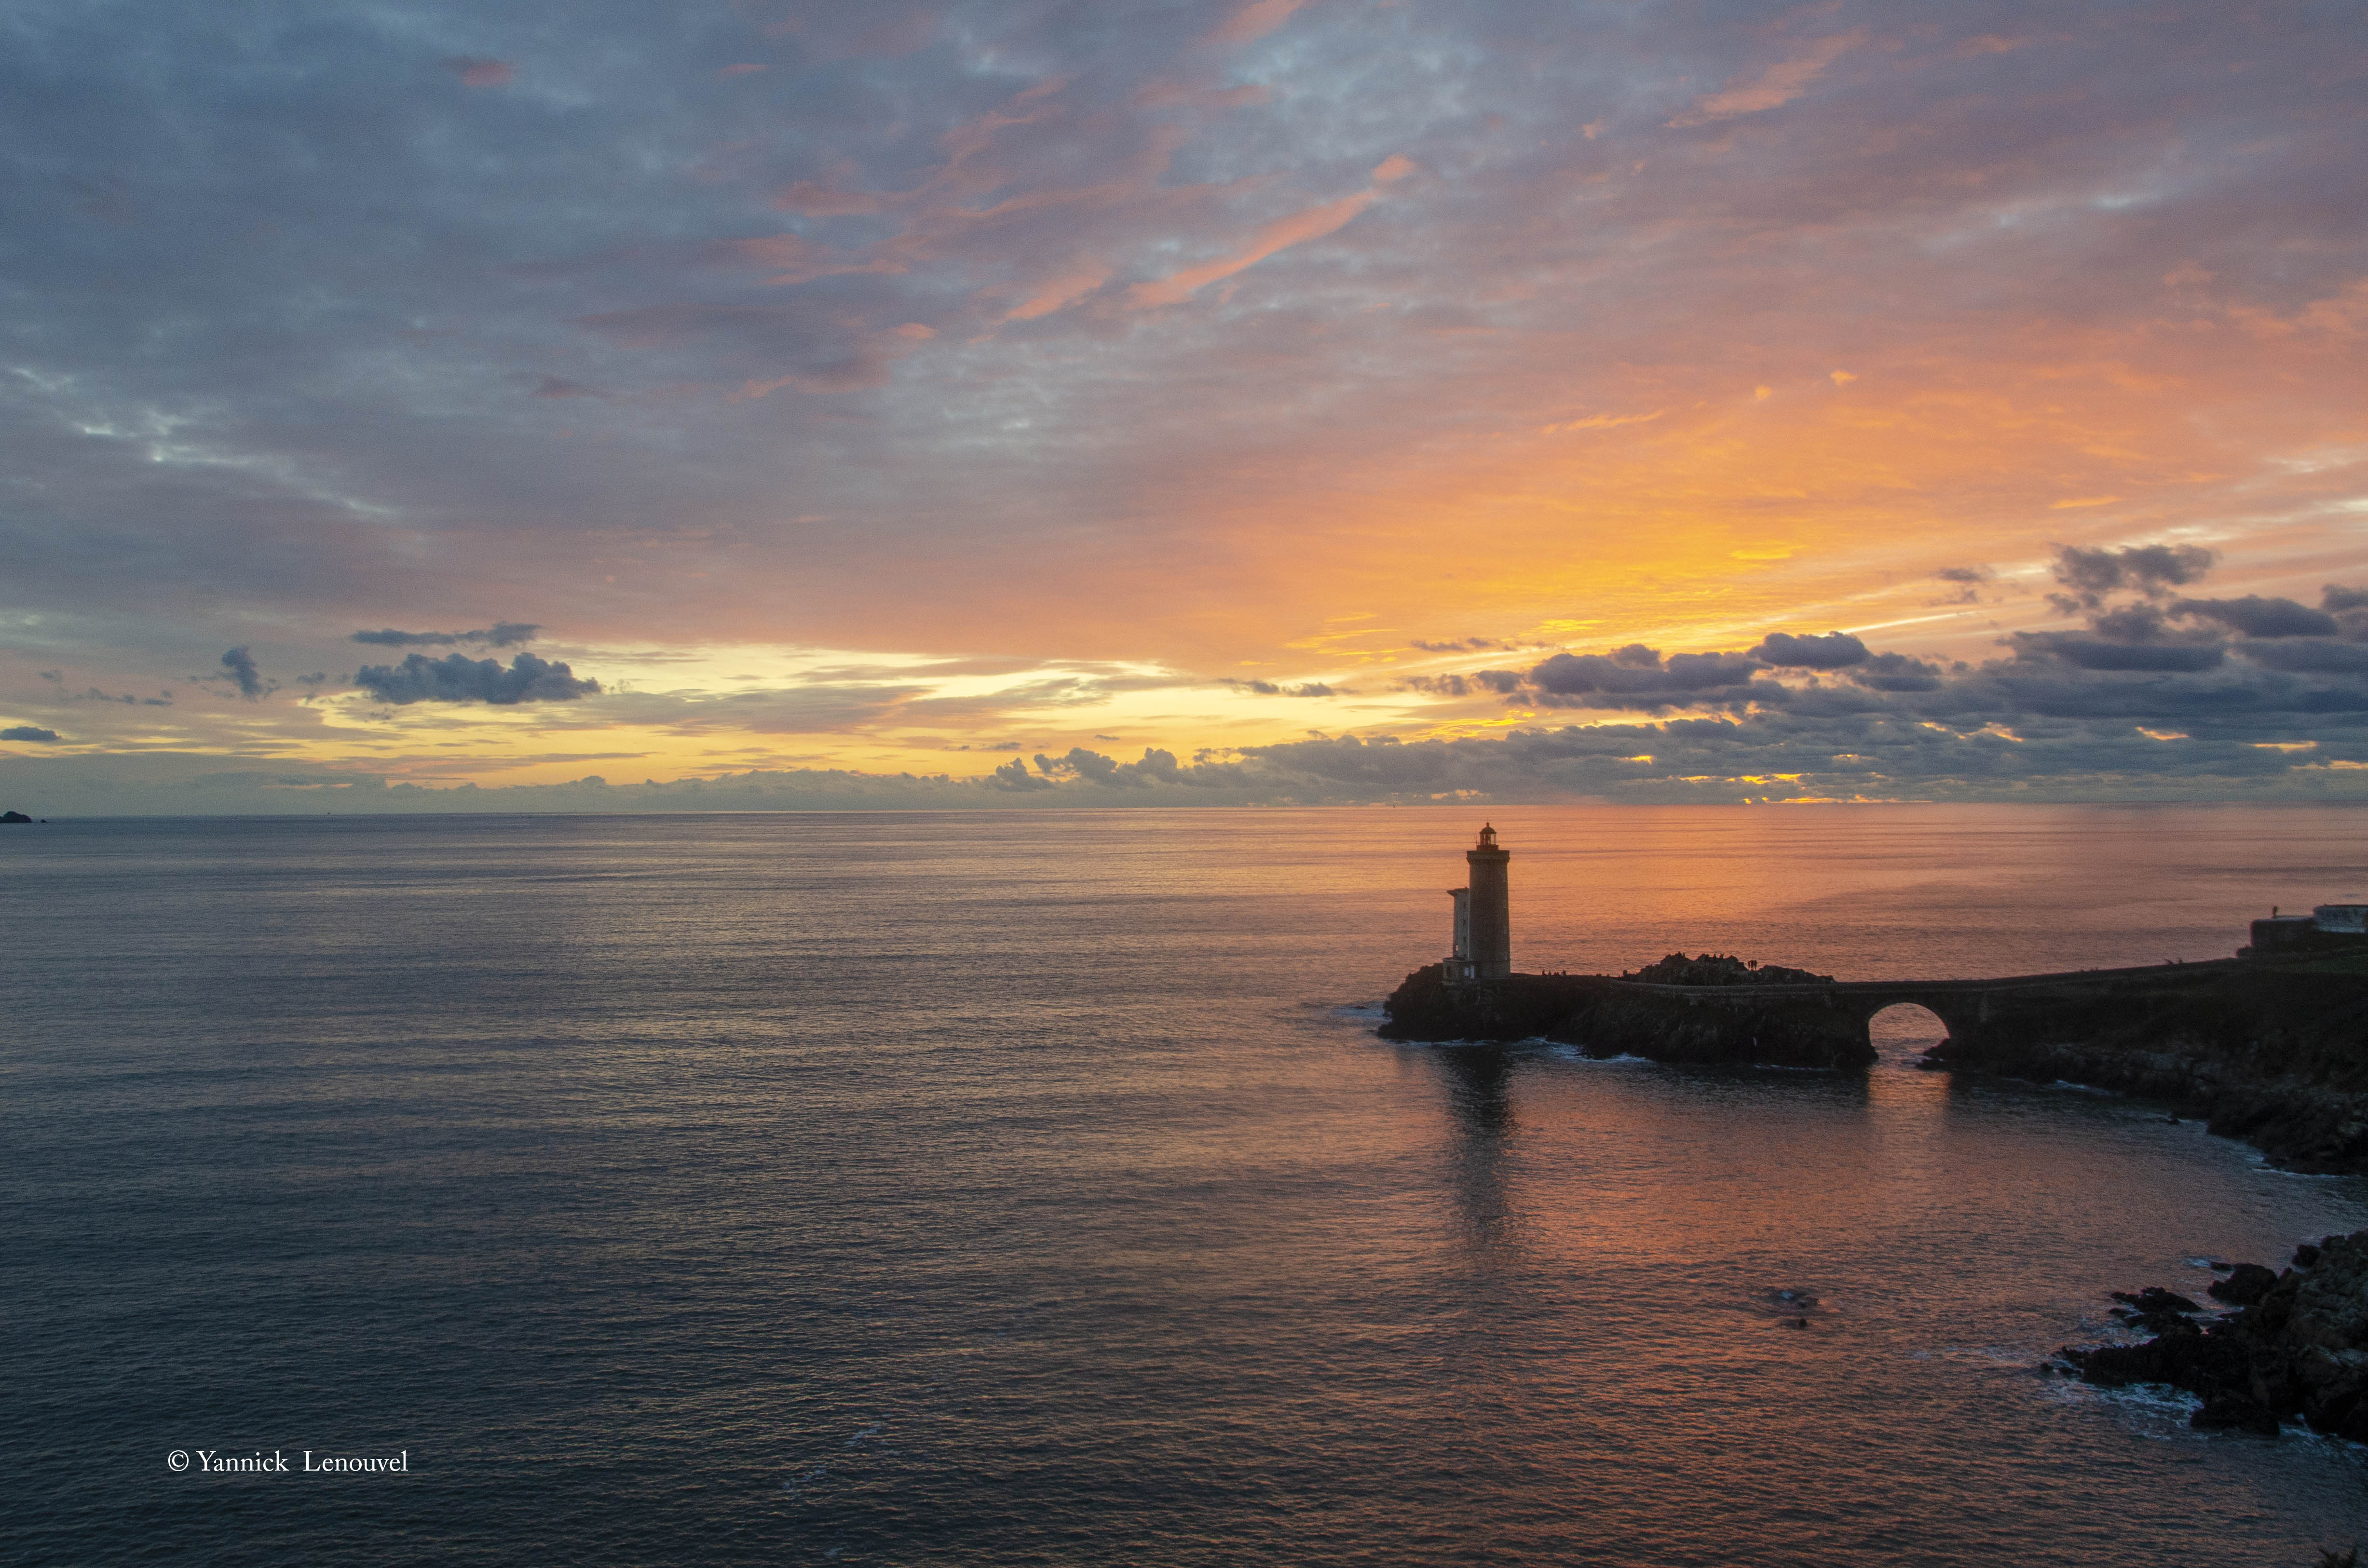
x=255, y=1461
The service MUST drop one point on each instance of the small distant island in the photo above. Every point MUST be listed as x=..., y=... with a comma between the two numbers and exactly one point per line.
x=2270, y=1046
x=14, y=816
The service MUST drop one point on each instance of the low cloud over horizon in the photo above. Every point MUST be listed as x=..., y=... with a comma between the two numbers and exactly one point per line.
x=1209, y=401
x=501, y=634
x=2155, y=696
x=456, y=678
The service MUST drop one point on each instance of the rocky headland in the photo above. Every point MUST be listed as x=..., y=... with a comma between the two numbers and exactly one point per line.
x=2272, y=1050
x=1748, y=1018
x=2296, y=1350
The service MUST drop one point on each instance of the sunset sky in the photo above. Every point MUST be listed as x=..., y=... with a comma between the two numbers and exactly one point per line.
x=1166, y=402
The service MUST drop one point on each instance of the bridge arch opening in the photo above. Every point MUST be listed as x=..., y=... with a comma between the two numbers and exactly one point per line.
x=1905, y=1030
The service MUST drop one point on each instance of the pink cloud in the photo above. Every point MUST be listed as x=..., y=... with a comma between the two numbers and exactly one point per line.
x=766, y=250
x=790, y=258
x=1776, y=85
x=478, y=71
x=820, y=201
x=1313, y=223
x=866, y=365
x=2343, y=313
x=1254, y=20
x=837, y=32
x=1061, y=289
x=1164, y=95
x=900, y=34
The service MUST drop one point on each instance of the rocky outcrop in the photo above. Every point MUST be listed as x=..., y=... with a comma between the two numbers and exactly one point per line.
x=1712, y=1022
x=2274, y=1053
x=2299, y=1351
x=14, y=816
x=1718, y=968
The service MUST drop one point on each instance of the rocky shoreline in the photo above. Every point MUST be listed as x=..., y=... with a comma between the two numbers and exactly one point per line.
x=2297, y=1349
x=2274, y=1054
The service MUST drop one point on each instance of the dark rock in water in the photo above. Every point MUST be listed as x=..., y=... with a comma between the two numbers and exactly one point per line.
x=2299, y=1348
x=14, y=816
x=2247, y=1285
x=2155, y=1299
x=2182, y=1355
x=2225, y=1410
x=2305, y=1255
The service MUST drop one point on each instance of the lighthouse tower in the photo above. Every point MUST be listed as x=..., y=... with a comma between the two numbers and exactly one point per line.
x=1484, y=925
x=1492, y=920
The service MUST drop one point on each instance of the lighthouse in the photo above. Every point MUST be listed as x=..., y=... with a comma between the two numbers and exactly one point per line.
x=1484, y=925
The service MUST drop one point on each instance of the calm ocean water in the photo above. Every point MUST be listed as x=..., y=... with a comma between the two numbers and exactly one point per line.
x=1031, y=1189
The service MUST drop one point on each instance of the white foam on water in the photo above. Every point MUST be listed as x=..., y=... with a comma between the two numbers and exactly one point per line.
x=1581, y=1053
x=2152, y=1411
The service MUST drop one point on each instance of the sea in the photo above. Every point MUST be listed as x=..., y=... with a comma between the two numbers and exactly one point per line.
x=1031, y=1186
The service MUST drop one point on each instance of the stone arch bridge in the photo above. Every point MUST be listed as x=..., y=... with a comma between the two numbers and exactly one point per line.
x=1821, y=1023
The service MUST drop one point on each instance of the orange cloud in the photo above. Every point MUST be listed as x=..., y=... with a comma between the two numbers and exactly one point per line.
x=1600, y=422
